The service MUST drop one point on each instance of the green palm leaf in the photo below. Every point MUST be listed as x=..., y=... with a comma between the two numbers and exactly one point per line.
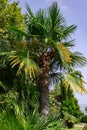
x=78, y=59
x=20, y=32
x=30, y=13
x=24, y=62
x=75, y=80
x=69, y=44
x=69, y=30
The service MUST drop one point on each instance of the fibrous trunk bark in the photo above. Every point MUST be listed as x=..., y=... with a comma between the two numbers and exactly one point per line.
x=44, y=84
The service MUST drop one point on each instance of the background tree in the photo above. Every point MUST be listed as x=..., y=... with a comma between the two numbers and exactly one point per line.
x=64, y=101
x=70, y=105
x=10, y=13
x=7, y=39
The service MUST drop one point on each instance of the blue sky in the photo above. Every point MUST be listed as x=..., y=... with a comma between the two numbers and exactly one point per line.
x=74, y=11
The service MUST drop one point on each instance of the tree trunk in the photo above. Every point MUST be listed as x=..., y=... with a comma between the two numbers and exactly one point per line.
x=44, y=84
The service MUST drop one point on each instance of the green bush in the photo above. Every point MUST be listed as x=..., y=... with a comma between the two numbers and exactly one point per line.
x=85, y=127
x=83, y=119
x=69, y=120
x=71, y=106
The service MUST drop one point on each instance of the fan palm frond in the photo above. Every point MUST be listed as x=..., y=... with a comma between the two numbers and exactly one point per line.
x=24, y=61
x=54, y=77
x=78, y=59
x=75, y=81
x=69, y=30
x=64, y=53
x=29, y=12
x=69, y=44
x=56, y=18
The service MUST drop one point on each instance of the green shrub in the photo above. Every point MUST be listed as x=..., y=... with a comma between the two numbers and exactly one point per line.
x=83, y=119
x=69, y=120
x=55, y=123
x=85, y=127
x=17, y=120
x=71, y=106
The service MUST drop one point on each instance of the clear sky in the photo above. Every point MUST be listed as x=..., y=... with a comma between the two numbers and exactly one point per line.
x=74, y=11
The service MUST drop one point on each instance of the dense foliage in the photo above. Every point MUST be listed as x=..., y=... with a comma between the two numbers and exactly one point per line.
x=83, y=119
x=69, y=120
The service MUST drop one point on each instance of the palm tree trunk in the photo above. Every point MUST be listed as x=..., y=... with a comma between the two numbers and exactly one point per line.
x=44, y=84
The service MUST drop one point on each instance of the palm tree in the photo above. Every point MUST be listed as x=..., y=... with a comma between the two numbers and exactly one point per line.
x=47, y=47
x=51, y=30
